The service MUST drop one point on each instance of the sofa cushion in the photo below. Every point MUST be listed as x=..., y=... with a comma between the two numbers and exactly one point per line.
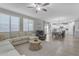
x=19, y=42
x=19, y=38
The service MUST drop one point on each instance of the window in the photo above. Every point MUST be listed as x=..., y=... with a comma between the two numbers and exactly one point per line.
x=4, y=23
x=15, y=23
x=31, y=25
x=27, y=25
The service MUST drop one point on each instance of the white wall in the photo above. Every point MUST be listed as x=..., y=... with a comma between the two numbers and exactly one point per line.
x=38, y=25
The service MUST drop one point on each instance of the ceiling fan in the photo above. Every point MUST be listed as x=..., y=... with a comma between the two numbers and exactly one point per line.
x=39, y=6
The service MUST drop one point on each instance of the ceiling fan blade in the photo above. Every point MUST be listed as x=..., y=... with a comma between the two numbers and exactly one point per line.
x=45, y=4
x=44, y=10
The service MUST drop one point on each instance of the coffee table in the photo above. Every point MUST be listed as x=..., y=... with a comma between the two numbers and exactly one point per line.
x=35, y=44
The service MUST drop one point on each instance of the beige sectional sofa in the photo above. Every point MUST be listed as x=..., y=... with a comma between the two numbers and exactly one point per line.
x=18, y=40
x=18, y=37
x=7, y=46
x=21, y=40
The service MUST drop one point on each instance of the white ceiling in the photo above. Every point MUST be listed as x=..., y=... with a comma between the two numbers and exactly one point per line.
x=57, y=12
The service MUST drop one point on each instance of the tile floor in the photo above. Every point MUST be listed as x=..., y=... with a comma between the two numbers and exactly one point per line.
x=67, y=47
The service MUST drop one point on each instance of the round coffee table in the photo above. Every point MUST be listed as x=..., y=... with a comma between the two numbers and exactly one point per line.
x=35, y=44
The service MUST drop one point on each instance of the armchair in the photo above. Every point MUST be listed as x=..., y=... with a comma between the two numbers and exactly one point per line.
x=40, y=34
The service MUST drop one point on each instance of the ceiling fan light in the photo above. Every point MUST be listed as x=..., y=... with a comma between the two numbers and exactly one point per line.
x=38, y=8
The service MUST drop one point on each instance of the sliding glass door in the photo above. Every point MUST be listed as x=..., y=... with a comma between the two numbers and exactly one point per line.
x=9, y=25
